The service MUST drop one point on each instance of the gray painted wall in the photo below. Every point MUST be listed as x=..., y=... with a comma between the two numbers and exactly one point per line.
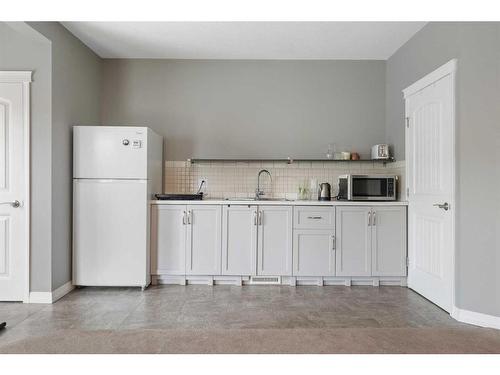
x=21, y=48
x=249, y=108
x=76, y=80
x=477, y=47
x=65, y=91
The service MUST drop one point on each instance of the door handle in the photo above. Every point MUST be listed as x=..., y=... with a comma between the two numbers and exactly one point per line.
x=14, y=204
x=444, y=206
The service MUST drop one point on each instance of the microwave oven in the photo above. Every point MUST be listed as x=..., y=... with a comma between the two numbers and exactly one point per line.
x=367, y=187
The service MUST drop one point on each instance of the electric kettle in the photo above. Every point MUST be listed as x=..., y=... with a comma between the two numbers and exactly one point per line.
x=324, y=193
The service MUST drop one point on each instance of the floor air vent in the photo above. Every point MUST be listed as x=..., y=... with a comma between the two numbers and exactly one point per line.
x=268, y=280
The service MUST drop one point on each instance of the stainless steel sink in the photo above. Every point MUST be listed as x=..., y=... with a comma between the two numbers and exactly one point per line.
x=259, y=200
x=273, y=199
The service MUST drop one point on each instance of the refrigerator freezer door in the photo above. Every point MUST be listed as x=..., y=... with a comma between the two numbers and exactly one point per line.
x=110, y=233
x=110, y=152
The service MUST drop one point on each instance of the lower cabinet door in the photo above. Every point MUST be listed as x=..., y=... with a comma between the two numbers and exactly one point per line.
x=239, y=240
x=274, y=254
x=168, y=240
x=313, y=252
x=353, y=237
x=389, y=241
x=203, y=246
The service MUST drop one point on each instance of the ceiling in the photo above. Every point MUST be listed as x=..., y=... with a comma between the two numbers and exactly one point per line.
x=245, y=40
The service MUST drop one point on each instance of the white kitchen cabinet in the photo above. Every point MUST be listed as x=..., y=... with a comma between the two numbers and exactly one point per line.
x=353, y=237
x=239, y=240
x=203, y=243
x=310, y=217
x=388, y=241
x=168, y=240
x=313, y=252
x=274, y=249
x=278, y=240
x=371, y=241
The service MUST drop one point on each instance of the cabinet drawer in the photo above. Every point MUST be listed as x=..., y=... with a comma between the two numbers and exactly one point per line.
x=314, y=217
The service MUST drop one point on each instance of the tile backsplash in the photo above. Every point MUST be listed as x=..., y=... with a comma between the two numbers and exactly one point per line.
x=239, y=179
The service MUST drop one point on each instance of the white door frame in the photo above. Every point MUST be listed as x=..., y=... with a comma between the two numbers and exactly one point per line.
x=450, y=69
x=24, y=77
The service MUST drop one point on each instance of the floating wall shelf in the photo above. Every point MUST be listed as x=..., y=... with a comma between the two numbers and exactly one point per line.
x=289, y=160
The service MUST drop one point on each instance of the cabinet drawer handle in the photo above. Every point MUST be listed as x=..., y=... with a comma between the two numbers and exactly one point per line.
x=315, y=217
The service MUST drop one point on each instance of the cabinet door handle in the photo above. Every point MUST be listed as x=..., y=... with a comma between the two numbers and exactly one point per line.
x=374, y=219
x=255, y=218
x=189, y=216
x=334, y=243
x=260, y=217
x=315, y=217
x=369, y=219
x=183, y=217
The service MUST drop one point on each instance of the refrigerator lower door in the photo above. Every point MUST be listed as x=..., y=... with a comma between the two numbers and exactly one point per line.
x=110, y=233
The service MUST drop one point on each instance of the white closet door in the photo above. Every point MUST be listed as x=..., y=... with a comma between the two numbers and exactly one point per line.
x=430, y=166
x=13, y=188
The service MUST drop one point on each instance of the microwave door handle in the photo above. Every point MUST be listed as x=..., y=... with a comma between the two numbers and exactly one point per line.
x=349, y=190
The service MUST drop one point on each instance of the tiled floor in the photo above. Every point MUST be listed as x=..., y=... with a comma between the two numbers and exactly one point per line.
x=240, y=319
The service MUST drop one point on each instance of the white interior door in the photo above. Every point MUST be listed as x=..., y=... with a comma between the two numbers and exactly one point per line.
x=13, y=191
x=430, y=173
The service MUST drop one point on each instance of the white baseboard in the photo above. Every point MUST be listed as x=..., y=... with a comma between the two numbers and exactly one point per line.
x=51, y=297
x=40, y=297
x=62, y=291
x=475, y=318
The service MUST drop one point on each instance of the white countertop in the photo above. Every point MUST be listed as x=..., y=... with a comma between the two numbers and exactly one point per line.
x=281, y=202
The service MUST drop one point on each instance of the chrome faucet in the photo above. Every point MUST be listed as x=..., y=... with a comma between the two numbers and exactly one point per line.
x=258, y=192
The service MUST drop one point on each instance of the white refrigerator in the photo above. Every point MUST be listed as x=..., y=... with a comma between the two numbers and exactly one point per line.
x=116, y=171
